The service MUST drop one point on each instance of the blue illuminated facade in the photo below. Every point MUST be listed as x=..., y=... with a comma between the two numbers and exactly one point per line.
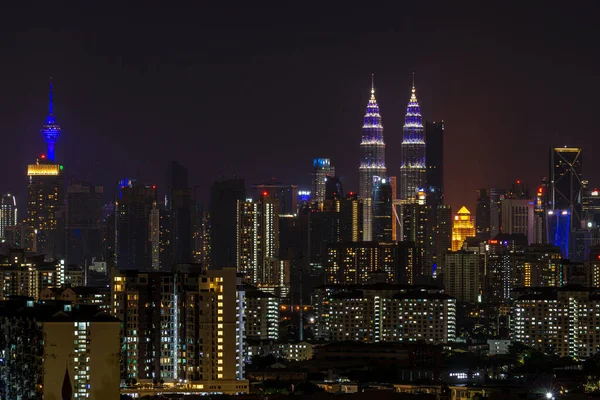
x=50, y=130
x=413, y=168
x=559, y=230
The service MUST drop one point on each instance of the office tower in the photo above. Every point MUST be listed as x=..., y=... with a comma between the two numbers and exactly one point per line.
x=372, y=160
x=50, y=130
x=8, y=213
x=58, y=351
x=557, y=321
x=434, y=156
x=262, y=315
x=43, y=202
x=518, y=218
x=223, y=214
x=387, y=313
x=566, y=183
x=443, y=238
x=496, y=196
x=366, y=262
x=414, y=229
x=322, y=168
x=179, y=208
x=413, y=167
x=132, y=225
x=83, y=229
x=482, y=215
x=191, y=338
x=201, y=237
x=286, y=194
x=21, y=275
x=161, y=256
x=383, y=196
x=258, y=241
x=462, y=228
x=461, y=276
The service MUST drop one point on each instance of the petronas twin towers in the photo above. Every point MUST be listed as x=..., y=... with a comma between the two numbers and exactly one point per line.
x=372, y=156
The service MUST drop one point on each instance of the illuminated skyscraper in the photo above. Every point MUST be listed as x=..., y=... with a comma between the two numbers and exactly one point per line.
x=566, y=182
x=463, y=227
x=322, y=168
x=258, y=240
x=8, y=212
x=372, y=160
x=50, y=130
x=413, y=167
x=43, y=201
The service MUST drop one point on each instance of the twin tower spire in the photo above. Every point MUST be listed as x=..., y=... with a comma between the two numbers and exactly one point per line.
x=372, y=154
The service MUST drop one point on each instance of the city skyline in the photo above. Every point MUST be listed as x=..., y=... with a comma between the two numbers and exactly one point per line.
x=103, y=100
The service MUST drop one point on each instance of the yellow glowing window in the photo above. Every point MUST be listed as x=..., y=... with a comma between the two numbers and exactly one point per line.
x=219, y=362
x=220, y=326
x=219, y=376
x=220, y=297
x=219, y=311
x=220, y=354
x=220, y=319
x=220, y=369
x=220, y=340
x=220, y=347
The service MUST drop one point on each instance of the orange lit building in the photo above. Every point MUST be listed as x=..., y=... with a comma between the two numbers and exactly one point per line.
x=463, y=227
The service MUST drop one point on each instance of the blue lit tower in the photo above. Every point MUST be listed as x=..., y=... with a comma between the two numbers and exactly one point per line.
x=372, y=159
x=413, y=168
x=50, y=130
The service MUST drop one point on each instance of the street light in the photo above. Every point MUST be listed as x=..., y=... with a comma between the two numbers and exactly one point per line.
x=549, y=395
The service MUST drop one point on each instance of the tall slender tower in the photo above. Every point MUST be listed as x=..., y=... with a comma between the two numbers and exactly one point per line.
x=372, y=160
x=50, y=130
x=413, y=167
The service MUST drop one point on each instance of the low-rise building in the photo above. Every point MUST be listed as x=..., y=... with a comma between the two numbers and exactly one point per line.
x=55, y=350
x=297, y=351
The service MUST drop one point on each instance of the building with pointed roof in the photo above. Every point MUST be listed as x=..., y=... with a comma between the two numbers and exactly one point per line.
x=413, y=168
x=463, y=227
x=372, y=159
x=50, y=130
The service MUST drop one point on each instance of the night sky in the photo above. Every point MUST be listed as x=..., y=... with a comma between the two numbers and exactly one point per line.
x=259, y=92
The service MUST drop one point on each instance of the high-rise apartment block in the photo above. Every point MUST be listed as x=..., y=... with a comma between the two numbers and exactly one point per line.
x=224, y=198
x=385, y=313
x=8, y=213
x=368, y=262
x=559, y=321
x=258, y=241
x=462, y=276
x=183, y=327
x=262, y=315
